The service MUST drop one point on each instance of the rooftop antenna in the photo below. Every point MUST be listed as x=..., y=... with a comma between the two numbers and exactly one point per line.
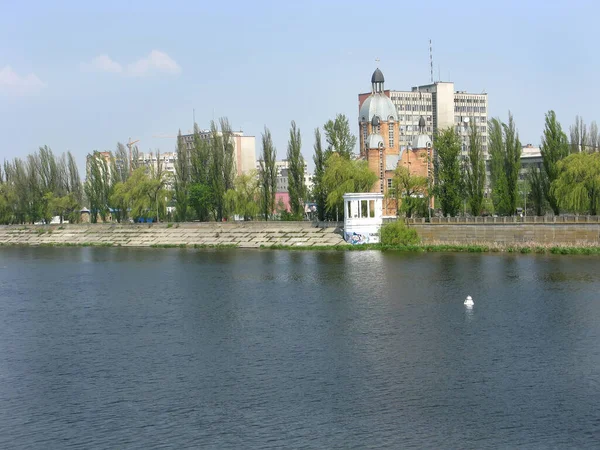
x=377, y=61
x=439, y=73
x=431, y=59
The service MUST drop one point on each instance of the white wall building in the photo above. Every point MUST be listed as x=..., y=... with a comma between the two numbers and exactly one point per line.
x=363, y=217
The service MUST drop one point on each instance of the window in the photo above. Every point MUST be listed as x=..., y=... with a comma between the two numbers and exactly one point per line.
x=391, y=136
x=389, y=183
x=364, y=127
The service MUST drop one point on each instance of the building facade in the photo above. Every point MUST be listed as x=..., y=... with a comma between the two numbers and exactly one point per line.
x=380, y=141
x=441, y=107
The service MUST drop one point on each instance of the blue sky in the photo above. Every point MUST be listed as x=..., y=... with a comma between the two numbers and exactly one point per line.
x=83, y=75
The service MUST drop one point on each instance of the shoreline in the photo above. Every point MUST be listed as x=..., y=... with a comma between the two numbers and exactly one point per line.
x=525, y=248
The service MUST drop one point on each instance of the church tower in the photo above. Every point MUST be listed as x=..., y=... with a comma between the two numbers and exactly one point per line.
x=379, y=135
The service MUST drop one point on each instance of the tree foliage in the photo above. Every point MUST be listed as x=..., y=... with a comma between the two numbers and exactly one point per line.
x=505, y=164
x=339, y=138
x=268, y=174
x=343, y=175
x=296, y=187
x=319, y=192
x=448, y=173
x=577, y=186
x=475, y=172
x=554, y=148
x=410, y=192
x=243, y=199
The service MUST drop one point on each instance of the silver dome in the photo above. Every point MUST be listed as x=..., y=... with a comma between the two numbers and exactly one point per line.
x=374, y=141
x=421, y=141
x=378, y=105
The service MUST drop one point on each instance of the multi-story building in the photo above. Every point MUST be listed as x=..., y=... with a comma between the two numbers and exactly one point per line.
x=244, y=148
x=167, y=163
x=441, y=107
x=282, y=177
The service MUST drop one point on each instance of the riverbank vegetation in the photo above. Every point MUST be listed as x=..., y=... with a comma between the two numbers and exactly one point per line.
x=123, y=186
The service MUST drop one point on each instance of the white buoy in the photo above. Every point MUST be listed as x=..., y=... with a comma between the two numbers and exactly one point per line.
x=469, y=301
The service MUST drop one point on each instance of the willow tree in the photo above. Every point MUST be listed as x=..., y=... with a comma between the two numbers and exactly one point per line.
x=577, y=187
x=448, y=172
x=242, y=200
x=268, y=174
x=475, y=171
x=296, y=187
x=344, y=175
x=410, y=192
x=554, y=148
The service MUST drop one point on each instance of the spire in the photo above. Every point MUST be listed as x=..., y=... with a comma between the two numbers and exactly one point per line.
x=377, y=80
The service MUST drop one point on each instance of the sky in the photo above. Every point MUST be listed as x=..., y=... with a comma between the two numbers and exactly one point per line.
x=81, y=76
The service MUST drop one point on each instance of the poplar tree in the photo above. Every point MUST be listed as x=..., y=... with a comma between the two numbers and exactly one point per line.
x=554, y=148
x=449, y=181
x=319, y=191
x=475, y=172
x=296, y=187
x=339, y=138
x=268, y=174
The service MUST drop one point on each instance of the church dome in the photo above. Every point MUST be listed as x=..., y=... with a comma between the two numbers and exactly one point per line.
x=377, y=76
x=374, y=141
x=421, y=141
x=379, y=105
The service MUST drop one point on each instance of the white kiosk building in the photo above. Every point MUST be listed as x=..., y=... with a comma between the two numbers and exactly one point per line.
x=363, y=217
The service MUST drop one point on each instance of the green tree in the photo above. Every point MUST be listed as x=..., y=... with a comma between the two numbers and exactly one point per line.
x=475, y=172
x=268, y=174
x=410, y=192
x=182, y=178
x=505, y=158
x=296, y=187
x=201, y=199
x=319, y=192
x=221, y=165
x=339, y=138
x=243, y=198
x=98, y=186
x=448, y=173
x=537, y=183
x=554, y=148
x=343, y=175
x=577, y=187
x=579, y=136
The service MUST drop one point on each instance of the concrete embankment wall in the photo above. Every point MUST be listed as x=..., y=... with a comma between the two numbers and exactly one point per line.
x=245, y=235
x=510, y=233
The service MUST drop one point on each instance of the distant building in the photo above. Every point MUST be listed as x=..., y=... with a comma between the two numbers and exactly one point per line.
x=530, y=157
x=441, y=107
x=282, y=181
x=380, y=140
x=244, y=149
x=167, y=163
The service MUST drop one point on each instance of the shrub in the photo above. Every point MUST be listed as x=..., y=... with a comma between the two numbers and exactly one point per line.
x=397, y=233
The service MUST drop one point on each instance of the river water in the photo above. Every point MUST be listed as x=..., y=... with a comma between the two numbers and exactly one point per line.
x=156, y=348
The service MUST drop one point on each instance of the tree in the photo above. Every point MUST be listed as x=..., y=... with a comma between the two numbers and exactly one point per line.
x=122, y=166
x=505, y=164
x=537, y=183
x=577, y=187
x=594, y=137
x=221, y=165
x=338, y=137
x=243, y=198
x=296, y=187
x=201, y=199
x=319, y=192
x=554, y=147
x=182, y=178
x=343, y=175
x=578, y=132
x=410, y=192
x=475, y=172
x=448, y=184
x=98, y=186
x=268, y=174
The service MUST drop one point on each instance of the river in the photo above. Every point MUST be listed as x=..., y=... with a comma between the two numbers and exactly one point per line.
x=232, y=349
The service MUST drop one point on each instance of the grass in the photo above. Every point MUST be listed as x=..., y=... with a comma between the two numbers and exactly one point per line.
x=169, y=225
x=453, y=248
x=196, y=246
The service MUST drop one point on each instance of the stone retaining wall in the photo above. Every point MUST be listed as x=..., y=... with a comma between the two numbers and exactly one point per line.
x=245, y=235
x=511, y=233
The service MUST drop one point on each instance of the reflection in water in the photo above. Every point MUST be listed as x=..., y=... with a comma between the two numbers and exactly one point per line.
x=138, y=348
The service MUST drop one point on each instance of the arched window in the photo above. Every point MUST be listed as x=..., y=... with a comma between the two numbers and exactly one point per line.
x=364, y=132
